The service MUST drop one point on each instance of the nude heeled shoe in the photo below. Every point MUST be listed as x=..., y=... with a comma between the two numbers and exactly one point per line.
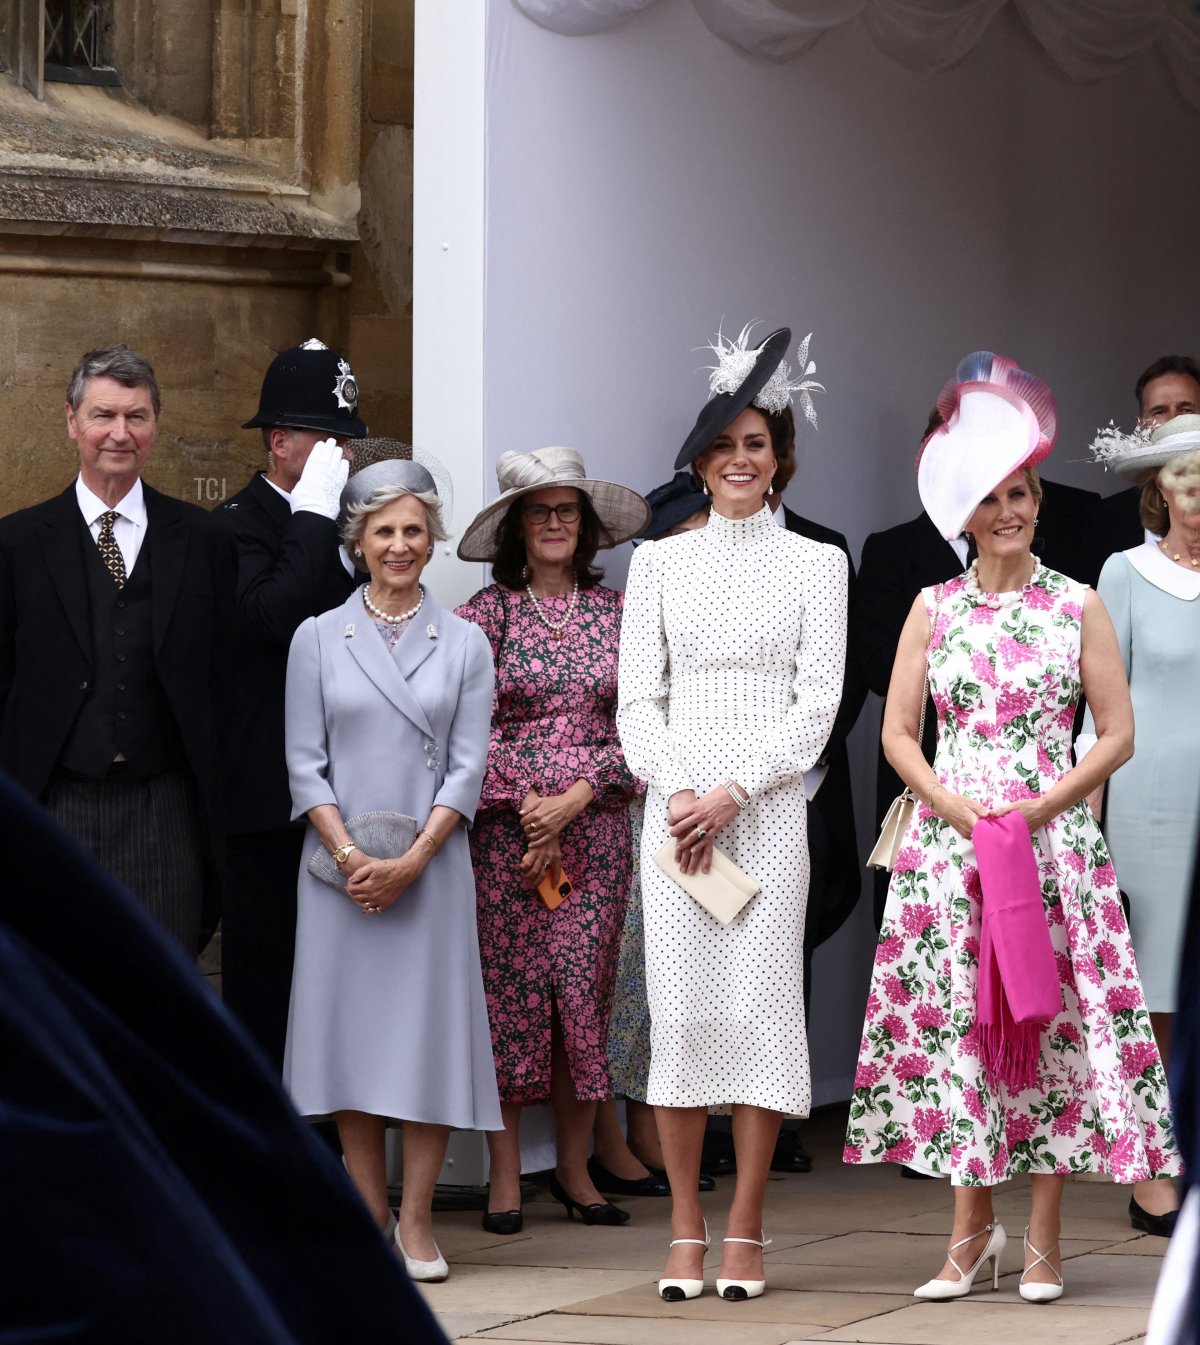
x=939, y=1290
x=737, y=1291
x=1038, y=1292
x=676, y=1290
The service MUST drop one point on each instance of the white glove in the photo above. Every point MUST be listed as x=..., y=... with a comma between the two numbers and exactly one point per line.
x=319, y=490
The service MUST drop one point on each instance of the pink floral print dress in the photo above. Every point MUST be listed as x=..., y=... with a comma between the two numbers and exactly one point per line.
x=1005, y=683
x=552, y=724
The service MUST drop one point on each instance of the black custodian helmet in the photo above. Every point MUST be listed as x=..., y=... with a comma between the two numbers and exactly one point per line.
x=310, y=387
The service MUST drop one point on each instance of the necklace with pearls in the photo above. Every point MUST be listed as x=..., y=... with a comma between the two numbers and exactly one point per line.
x=997, y=600
x=555, y=628
x=1176, y=557
x=380, y=615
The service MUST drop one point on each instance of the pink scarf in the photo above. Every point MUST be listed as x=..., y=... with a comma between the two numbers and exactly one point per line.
x=1018, y=991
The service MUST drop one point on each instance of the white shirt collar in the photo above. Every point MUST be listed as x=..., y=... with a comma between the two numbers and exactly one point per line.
x=131, y=506
x=277, y=489
x=1161, y=571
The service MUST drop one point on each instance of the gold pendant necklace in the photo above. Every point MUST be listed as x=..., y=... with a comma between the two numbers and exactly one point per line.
x=1177, y=557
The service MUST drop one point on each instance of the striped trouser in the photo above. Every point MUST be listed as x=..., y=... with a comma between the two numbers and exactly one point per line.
x=146, y=833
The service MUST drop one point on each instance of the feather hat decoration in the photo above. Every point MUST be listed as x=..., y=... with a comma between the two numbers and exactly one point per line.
x=1147, y=447
x=746, y=375
x=997, y=418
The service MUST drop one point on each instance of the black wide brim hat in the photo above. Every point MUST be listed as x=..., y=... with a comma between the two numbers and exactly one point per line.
x=310, y=387
x=719, y=412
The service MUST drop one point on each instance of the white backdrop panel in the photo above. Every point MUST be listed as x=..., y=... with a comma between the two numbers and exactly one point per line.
x=647, y=183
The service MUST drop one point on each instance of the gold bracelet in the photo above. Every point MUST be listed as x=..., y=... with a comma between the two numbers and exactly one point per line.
x=937, y=784
x=428, y=836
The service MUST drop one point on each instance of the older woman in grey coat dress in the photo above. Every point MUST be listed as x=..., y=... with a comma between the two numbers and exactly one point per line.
x=388, y=707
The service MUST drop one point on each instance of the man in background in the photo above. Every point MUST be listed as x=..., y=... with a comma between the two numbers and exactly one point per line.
x=290, y=567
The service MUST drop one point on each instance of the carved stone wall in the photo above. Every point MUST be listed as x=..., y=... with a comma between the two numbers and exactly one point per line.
x=209, y=214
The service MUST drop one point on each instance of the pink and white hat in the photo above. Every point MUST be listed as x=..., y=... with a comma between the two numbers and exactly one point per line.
x=997, y=419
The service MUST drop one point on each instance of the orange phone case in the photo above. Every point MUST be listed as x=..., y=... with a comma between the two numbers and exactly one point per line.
x=553, y=895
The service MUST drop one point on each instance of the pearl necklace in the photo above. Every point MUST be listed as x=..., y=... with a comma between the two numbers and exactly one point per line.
x=385, y=616
x=997, y=600
x=556, y=630
x=1176, y=557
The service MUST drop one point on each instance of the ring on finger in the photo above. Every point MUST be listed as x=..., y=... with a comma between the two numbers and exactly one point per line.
x=701, y=832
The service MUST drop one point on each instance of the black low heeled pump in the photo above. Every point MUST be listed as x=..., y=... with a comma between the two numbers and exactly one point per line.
x=607, y=1213
x=505, y=1222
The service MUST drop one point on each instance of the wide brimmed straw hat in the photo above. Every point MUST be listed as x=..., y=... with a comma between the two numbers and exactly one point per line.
x=622, y=512
x=997, y=418
x=1144, y=452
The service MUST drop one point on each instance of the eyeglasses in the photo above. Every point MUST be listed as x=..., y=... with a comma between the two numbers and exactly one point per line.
x=539, y=513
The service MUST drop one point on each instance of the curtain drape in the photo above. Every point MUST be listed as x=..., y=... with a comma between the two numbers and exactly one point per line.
x=1087, y=39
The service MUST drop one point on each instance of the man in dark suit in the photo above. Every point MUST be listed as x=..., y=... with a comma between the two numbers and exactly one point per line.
x=290, y=567
x=114, y=609
x=1170, y=387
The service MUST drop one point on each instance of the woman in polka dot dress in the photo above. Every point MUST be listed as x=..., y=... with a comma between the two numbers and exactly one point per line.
x=732, y=651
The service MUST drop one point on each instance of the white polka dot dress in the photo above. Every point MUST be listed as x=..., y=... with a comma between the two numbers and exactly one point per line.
x=732, y=651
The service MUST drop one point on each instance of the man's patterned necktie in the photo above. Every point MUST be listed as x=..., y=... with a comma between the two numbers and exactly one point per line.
x=110, y=552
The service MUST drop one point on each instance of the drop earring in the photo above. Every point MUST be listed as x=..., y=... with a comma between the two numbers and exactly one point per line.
x=704, y=486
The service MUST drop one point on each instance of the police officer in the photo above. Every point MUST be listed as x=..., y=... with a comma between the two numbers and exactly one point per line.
x=290, y=567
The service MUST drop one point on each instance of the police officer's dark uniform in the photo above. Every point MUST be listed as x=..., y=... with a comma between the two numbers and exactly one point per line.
x=290, y=567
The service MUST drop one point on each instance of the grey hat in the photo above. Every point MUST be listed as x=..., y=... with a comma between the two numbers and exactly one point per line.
x=622, y=512
x=363, y=486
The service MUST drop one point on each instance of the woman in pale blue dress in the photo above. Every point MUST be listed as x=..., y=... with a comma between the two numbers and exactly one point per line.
x=1152, y=593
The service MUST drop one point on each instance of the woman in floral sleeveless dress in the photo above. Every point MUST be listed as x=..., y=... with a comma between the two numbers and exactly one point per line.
x=1009, y=647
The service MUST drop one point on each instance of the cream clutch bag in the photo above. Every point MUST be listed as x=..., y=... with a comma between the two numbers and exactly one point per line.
x=722, y=891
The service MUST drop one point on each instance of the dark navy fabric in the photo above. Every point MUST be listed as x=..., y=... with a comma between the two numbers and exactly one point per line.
x=157, y=1185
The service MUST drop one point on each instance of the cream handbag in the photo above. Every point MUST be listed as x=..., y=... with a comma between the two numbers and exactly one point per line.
x=899, y=815
x=722, y=891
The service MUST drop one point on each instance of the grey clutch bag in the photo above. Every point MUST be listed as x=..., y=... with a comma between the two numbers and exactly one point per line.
x=382, y=835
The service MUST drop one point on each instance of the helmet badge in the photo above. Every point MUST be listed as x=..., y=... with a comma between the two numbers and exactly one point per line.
x=345, y=389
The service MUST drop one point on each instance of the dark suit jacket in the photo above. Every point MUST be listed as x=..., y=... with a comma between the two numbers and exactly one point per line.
x=288, y=570
x=1121, y=523
x=46, y=636
x=835, y=884
x=158, y=1184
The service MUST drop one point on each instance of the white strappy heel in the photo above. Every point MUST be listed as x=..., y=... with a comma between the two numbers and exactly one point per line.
x=736, y=1291
x=938, y=1290
x=675, y=1290
x=1036, y=1292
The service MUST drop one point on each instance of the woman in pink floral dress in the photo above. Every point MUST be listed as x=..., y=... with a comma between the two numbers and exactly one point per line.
x=555, y=802
x=1008, y=646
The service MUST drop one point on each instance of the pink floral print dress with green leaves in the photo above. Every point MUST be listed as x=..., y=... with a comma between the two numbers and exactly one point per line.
x=1005, y=683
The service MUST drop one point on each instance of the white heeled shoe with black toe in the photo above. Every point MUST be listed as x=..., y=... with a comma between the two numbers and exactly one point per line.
x=938, y=1291
x=737, y=1291
x=673, y=1290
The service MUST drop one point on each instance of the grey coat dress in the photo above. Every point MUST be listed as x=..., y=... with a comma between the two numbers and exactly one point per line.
x=387, y=1012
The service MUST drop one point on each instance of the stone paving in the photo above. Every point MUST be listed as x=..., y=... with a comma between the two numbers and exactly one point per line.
x=849, y=1245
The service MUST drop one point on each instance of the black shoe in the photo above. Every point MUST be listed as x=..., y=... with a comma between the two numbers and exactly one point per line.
x=653, y=1184
x=1160, y=1225
x=608, y=1213
x=717, y=1158
x=790, y=1155
x=503, y=1221
x=706, y=1183
x=914, y=1176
